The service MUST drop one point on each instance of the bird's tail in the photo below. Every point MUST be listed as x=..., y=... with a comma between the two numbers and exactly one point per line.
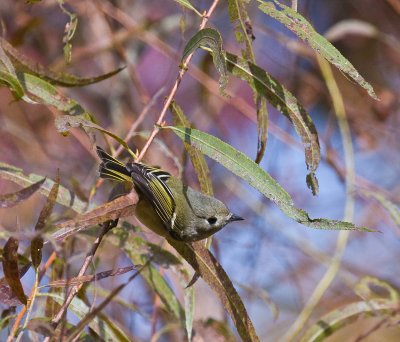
x=111, y=168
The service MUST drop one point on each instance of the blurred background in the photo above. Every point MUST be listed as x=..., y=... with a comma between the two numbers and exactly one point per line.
x=274, y=262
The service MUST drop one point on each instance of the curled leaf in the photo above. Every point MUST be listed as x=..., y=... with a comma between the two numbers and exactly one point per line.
x=10, y=268
x=211, y=38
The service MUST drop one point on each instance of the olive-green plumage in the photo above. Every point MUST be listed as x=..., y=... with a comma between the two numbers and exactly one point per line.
x=166, y=205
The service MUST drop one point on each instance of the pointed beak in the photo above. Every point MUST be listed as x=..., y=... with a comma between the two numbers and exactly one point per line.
x=235, y=218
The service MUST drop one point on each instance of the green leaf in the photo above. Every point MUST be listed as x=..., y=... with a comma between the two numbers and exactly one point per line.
x=37, y=242
x=187, y=4
x=10, y=269
x=278, y=96
x=242, y=166
x=10, y=200
x=345, y=315
x=304, y=30
x=22, y=64
x=197, y=158
x=211, y=38
x=65, y=197
x=205, y=264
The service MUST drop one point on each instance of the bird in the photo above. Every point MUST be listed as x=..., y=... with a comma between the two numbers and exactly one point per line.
x=166, y=205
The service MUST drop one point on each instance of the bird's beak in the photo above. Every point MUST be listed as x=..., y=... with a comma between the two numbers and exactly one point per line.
x=234, y=217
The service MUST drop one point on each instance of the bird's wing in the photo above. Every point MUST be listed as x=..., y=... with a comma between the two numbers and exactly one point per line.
x=151, y=182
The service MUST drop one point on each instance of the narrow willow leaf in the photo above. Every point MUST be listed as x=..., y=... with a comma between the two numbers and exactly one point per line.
x=37, y=242
x=65, y=197
x=137, y=250
x=10, y=200
x=7, y=295
x=10, y=269
x=244, y=35
x=102, y=325
x=262, y=127
x=304, y=30
x=23, y=64
x=187, y=4
x=337, y=319
x=197, y=158
x=392, y=208
x=66, y=122
x=261, y=82
x=189, y=299
x=211, y=38
x=242, y=166
x=243, y=28
x=90, y=278
x=12, y=83
x=278, y=96
x=205, y=264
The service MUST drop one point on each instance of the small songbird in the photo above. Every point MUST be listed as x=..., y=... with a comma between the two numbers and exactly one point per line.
x=166, y=205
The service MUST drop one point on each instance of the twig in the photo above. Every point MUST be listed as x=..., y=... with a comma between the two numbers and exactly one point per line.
x=23, y=311
x=174, y=88
x=74, y=290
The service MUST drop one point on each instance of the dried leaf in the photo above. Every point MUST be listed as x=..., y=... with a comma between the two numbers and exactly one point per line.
x=10, y=268
x=90, y=278
x=9, y=200
x=37, y=242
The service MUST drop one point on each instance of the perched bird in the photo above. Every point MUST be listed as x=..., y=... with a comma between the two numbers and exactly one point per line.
x=166, y=205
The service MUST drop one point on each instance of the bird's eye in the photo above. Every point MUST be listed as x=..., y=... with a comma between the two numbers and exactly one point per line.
x=212, y=220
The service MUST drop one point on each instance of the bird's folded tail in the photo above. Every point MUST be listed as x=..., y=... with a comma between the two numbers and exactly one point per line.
x=111, y=168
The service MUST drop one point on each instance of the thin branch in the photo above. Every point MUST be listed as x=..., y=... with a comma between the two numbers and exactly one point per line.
x=174, y=88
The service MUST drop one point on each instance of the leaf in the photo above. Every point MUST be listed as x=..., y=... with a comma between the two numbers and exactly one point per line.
x=211, y=38
x=243, y=28
x=304, y=30
x=204, y=263
x=7, y=295
x=10, y=200
x=10, y=268
x=197, y=158
x=262, y=127
x=278, y=96
x=65, y=197
x=242, y=166
x=23, y=64
x=137, y=250
x=66, y=122
x=345, y=315
x=392, y=208
x=37, y=242
x=187, y=4
x=90, y=278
